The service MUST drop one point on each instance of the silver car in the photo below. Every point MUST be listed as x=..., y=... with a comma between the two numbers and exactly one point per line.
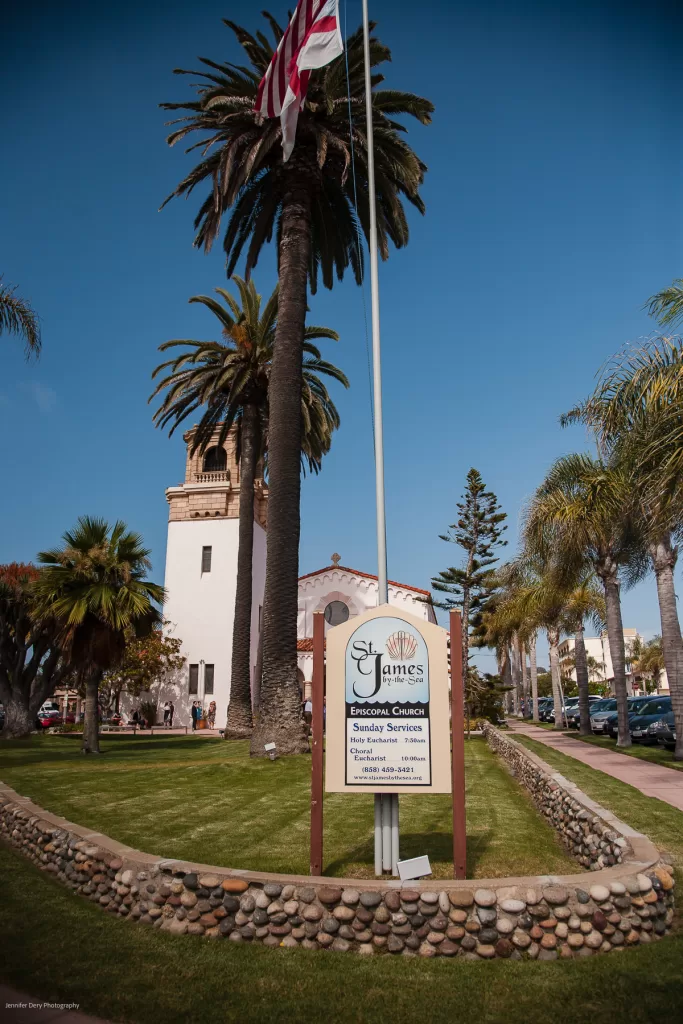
x=600, y=713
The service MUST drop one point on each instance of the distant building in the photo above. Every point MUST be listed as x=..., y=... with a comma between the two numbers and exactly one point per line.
x=600, y=661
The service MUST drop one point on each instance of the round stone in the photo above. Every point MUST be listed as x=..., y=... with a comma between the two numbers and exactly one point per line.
x=367, y=899
x=329, y=894
x=191, y=882
x=382, y=915
x=458, y=916
x=617, y=888
x=430, y=898
x=209, y=881
x=461, y=897
x=455, y=932
x=344, y=913
x=435, y=938
x=600, y=893
x=575, y=940
x=444, y=902
x=306, y=894
x=341, y=945
x=505, y=926
x=488, y=936
x=188, y=899
x=272, y=889
x=291, y=907
x=447, y=948
x=484, y=898
x=485, y=951
x=312, y=913
x=487, y=915
x=593, y=940
x=513, y=906
x=555, y=895
x=504, y=948
x=231, y=884
x=644, y=883
x=562, y=930
x=409, y=896
x=582, y=896
x=247, y=903
x=350, y=897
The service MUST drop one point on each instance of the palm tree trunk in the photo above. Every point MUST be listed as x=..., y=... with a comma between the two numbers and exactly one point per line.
x=525, y=679
x=280, y=721
x=582, y=682
x=533, y=672
x=615, y=635
x=664, y=556
x=506, y=676
x=240, y=722
x=514, y=664
x=553, y=644
x=91, y=724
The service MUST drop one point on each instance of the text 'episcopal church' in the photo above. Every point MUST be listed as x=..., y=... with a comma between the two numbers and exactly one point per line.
x=201, y=577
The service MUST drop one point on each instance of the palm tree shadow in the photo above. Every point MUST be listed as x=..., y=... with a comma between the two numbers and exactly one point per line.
x=437, y=845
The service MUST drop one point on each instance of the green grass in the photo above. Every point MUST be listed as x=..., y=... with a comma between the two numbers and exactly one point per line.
x=62, y=948
x=655, y=755
x=657, y=819
x=206, y=800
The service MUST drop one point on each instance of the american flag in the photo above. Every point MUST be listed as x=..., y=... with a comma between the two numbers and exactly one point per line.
x=312, y=39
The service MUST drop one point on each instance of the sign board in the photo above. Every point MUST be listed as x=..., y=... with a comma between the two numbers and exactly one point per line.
x=387, y=705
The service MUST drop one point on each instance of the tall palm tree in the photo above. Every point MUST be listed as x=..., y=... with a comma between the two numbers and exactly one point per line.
x=229, y=380
x=636, y=413
x=315, y=206
x=583, y=514
x=583, y=602
x=17, y=316
x=96, y=586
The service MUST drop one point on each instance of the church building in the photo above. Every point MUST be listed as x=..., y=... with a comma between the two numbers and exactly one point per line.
x=201, y=575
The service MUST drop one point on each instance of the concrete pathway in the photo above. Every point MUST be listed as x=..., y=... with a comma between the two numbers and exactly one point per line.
x=18, y=1008
x=651, y=779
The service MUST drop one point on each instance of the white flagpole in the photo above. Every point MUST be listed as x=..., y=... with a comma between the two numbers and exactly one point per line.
x=386, y=806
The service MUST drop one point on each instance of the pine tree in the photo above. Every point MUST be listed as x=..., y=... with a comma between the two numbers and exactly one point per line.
x=478, y=532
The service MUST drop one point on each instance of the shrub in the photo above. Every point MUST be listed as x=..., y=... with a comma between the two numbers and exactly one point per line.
x=148, y=710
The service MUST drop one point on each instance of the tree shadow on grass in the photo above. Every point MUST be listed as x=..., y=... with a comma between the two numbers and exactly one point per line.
x=67, y=748
x=438, y=846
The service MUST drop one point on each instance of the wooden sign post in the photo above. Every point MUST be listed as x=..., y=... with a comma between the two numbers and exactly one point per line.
x=317, y=742
x=458, y=750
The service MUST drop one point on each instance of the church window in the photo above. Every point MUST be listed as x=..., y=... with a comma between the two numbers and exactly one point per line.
x=215, y=460
x=206, y=559
x=194, y=679
x=208, y=679
x=336, y=612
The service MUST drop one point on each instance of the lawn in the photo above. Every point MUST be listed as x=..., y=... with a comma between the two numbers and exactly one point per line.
x=64, y=949
x=206, y=800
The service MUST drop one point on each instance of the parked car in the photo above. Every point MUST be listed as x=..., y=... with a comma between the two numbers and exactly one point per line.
x=546, y=711
x=639, y=724
x=574, y=713
x=600, y=713
x=664, y=731
x=635, y=707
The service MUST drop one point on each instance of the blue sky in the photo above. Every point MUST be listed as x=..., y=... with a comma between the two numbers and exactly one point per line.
x=553, y=212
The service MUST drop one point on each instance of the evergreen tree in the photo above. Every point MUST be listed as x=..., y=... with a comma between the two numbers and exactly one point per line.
x=478, y=532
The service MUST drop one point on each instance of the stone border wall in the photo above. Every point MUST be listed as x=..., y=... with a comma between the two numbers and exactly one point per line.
x=627, y=903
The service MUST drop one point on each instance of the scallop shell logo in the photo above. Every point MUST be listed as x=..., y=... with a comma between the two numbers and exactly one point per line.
x=401, y=646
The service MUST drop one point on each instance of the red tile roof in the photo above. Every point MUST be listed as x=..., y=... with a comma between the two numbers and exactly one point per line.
x=305, y=644
x=367, y=575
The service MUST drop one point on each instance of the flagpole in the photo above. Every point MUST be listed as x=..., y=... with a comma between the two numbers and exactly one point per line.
x=386, y=806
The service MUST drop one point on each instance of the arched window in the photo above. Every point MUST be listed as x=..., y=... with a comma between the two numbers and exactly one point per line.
x=336, y=612
x=215, y=460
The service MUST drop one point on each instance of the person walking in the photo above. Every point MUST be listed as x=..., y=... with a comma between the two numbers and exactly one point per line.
x=195, y=715
x=167, y=713
x=171, y=713
x=211, y=716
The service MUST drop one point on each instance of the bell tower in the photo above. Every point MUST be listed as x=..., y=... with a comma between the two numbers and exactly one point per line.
x=201, y=574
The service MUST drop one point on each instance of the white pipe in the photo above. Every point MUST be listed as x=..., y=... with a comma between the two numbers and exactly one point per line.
x=386, y=832
x=378, y=833
x=394, y=833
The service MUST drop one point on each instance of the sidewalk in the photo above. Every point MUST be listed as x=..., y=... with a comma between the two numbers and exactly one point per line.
x=651, y=779
x=18, y=1008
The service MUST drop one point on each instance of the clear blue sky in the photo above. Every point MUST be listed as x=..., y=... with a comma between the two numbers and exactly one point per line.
x=553, y=212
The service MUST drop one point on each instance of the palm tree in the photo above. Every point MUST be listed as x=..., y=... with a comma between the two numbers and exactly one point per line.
x=582, y=513
x=229, y=380
x=583, y=602
x=648, y=660
x=315, y=206
x=17, y=316
x=95, y=586
x=636, y=413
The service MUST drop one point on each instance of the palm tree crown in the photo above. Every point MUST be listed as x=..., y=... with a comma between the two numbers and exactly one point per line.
x=17, y=316
x=96, y=586
x=242, y=159
x=224, y=377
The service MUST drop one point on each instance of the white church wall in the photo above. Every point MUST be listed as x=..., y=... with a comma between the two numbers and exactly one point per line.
x=200, y=609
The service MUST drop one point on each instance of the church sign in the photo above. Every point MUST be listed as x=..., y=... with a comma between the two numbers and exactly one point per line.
x=387, y=705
